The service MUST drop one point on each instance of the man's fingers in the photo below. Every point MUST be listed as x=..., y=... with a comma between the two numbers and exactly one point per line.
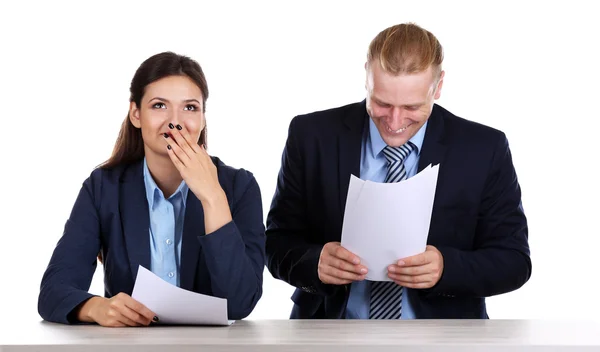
x=341, y=274
x=345, y=266
x=344, y=254
x=328, y=279
x=336, y=265
x=408, y=279
x=410, y=270
x=415, y=260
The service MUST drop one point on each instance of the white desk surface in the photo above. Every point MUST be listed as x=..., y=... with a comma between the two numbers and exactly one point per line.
x=311, y=335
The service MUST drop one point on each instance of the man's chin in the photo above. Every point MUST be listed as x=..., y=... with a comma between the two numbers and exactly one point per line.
x=395, y=142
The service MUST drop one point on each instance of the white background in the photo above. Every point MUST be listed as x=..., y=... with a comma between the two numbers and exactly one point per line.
x=527, y=68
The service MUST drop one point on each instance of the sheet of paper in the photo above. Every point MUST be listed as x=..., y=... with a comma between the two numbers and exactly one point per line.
x=385, y=222
x=354, y=189
x=174, y=305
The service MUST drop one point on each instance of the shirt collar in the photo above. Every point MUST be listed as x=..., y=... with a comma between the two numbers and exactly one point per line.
x=377, y=143
x=153, y=192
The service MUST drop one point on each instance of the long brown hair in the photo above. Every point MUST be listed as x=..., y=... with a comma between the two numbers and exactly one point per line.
x=129, y=147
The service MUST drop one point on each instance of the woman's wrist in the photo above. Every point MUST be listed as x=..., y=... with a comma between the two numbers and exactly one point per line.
x=85, y=311
x=216, y=212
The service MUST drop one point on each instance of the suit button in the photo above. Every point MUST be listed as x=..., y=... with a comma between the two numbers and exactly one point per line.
x=308, y=289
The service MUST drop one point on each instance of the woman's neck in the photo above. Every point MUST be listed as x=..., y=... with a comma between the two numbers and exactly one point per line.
x=165, y=174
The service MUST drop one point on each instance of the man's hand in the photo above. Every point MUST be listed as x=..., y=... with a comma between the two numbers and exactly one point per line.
x=420, y=271
x=339, y=266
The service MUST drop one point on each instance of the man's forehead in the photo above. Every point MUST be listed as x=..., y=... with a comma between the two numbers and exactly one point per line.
x=400, y=93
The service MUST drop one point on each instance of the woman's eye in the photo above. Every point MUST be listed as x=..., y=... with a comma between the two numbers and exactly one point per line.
x=191, y=107
x=159, y=106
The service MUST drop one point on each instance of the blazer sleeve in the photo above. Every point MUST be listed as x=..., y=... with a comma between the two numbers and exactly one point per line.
x=235, y=253
x=291, y=256
x=67, y=278
x=500, y=261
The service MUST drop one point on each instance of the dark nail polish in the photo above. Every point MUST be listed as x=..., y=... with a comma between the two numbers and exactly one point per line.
x=166, y=135
x=169, y=146
x=171, y=126
x=179, y=127
x=155, y=319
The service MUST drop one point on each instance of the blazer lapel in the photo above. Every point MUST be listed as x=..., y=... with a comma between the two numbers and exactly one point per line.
x=193, y=227
x=135, y=218
x=433, y=150
x=349, y=149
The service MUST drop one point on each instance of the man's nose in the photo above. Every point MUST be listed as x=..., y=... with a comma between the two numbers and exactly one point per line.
x=397, y=118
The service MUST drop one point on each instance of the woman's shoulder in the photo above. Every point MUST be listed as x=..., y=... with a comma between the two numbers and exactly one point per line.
x=104, y=179
x=115, y=174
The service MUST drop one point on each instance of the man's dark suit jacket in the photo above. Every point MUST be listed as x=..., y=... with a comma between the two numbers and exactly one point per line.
x=478, y=223
x=111, y=215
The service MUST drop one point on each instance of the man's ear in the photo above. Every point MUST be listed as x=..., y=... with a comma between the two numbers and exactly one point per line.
x=438, y=89
x=134, y=115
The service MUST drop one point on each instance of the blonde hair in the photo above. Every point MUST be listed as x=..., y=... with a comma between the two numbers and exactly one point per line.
x=406, y=49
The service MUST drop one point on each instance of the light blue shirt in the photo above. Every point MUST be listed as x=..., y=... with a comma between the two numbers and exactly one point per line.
x=373, y=167
x=166, y=228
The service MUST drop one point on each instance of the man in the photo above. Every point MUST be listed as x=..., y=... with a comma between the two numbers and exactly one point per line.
x=478, y=238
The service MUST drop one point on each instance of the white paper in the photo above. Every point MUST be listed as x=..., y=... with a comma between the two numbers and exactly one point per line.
x=174, y=305
x=354, y=190
x=386, y=222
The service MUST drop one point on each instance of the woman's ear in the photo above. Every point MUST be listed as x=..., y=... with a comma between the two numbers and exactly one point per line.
x=134, y=115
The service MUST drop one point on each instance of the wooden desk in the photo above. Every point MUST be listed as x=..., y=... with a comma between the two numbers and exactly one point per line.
x=311, y=335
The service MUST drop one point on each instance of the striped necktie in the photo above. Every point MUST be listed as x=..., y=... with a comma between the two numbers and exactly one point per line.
x=386, y=296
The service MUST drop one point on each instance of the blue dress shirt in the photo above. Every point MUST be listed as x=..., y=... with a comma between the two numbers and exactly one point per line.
x=373, y=167
x=166, y=228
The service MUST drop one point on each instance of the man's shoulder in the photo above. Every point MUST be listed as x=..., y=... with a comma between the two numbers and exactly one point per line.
x=461, y=129
x=333, y=113
x=328, y=121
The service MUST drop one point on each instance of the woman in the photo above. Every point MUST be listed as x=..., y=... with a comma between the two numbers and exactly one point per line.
x=161, y=202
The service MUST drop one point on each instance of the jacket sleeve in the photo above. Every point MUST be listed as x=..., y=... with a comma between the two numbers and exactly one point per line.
x=291, y=256
x=500, y=261
x=67, y=278
x=235, y=253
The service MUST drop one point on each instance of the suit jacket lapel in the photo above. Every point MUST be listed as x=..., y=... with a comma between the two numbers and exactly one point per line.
x=135, y=218
x=433, y=149
x=349, y=149
x=193, y=227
